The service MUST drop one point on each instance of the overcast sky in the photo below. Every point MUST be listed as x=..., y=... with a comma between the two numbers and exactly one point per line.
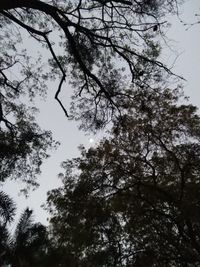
x=186, y=43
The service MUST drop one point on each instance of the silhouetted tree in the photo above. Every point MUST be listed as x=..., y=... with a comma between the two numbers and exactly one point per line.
x=100, y=44
x=7, y=212
x=23, y=147
x=28, y=244
x=134, y=199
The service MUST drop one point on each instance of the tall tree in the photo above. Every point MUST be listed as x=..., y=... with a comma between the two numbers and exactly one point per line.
x=134, y=199
x=100, y=44
x=7, y=212
x=23, y=145
x=28, y=244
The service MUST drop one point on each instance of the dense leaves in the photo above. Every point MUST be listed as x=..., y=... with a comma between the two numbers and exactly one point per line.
x=23, y=145
x=100, y=45
x=28, y=244
x=98, y=52
x=134, y=199
x=7, y=212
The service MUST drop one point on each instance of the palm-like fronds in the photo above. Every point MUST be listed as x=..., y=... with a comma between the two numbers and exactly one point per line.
x=7, y=208
x=7, y=212
x=28, y=244
x=29, y=241
x=24, y=224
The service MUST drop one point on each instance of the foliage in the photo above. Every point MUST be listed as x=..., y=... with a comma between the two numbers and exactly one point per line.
x=100, y=44
x=28, y=245
x=23, y=145
x=7, y=208
x=29, y=242
x=134, y=199
x=7, y=212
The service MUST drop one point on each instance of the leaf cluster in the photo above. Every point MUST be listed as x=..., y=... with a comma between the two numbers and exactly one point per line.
x=133, y=199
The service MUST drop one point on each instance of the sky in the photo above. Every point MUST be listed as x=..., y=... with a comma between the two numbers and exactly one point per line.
x=184, y=43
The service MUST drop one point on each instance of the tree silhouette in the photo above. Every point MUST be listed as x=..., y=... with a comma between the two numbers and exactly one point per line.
x=7, y=212
x=23, y=147
x=101, y=43
x=27, y=246
x=134, y=199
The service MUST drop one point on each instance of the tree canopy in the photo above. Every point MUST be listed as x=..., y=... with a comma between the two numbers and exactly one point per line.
x=28, y=244
x=134, y=199
x=104, y=46
x=23, y=144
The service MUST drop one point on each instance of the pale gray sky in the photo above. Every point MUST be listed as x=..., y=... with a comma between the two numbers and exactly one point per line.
x=186, y=43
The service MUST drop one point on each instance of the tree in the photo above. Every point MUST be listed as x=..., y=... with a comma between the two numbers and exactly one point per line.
x=28, y=244
x=23, y=145
x=96, y=37
x=134, y=199
x=7, y=212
